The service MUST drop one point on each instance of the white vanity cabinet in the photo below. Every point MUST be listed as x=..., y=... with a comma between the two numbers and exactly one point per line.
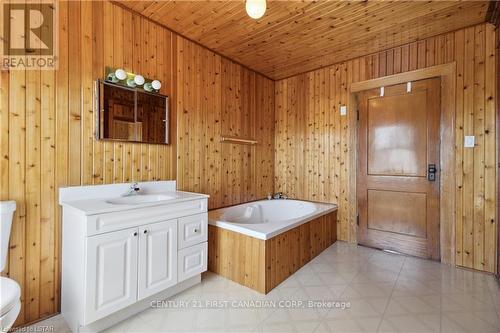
x=116, y=261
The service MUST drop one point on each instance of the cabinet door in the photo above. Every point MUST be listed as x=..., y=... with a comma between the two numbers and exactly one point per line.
x=157, y=257
x=111, y=273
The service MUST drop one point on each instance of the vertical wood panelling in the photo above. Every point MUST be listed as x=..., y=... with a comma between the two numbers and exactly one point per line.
x=490, y=177
x=17, y=149
x=61, y=146
x=473, y=50
x=497, y=113
x=478, y=132
x=48, y=201
x=74, y=92
x=217, y=97
x=468, y=181
x=96, y=149
x=4, y=131
x=459, y=151
x=32, y=190
x=47, y=132
x=87, y=93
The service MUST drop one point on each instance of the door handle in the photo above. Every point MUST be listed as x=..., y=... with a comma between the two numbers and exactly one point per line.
x=431, y=172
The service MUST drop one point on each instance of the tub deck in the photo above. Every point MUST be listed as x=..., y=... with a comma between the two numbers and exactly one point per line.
x=264, y=264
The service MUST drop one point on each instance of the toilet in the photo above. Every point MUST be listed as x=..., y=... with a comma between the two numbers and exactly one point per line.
x=10, y=292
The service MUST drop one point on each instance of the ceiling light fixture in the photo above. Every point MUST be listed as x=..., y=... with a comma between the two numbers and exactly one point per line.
x=256, y=8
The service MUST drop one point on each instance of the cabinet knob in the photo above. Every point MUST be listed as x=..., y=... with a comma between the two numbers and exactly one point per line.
x=135, y=233
x=195, y=230
x=145, y=231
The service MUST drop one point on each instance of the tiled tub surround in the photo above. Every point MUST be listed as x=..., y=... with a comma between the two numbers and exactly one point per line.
x=262, y=243
x=387, y=293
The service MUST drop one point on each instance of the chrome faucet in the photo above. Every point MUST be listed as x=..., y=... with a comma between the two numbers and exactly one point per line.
x=133, y=190
x=279, y=195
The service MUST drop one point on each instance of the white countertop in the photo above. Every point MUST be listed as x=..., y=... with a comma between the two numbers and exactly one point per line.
x=92, y=199
x=100, y=205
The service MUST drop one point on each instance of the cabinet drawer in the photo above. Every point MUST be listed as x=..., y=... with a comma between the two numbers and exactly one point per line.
x=102, y=223
x=192, y=230
x=192, y=261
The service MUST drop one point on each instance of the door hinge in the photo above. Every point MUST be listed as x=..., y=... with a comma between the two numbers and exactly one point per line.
x=357, y=219
x=357, y=113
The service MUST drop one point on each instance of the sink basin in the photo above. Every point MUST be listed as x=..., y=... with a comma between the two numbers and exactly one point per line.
x=139, y=199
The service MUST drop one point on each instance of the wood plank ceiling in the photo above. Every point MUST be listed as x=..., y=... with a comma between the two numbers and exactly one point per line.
x=298, y=36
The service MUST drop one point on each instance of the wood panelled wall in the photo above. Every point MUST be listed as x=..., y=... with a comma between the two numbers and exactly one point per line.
x=498, y=135
x=47, y=134
x=313, y=141
x=217, y=97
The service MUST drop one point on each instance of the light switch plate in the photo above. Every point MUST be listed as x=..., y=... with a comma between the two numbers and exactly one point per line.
x=343, y=110
x=469, y=141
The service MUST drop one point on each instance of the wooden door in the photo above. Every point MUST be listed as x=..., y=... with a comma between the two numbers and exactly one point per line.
x=398, y=202
x=111, y=273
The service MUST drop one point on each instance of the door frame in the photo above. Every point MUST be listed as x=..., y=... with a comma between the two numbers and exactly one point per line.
x=447, y=75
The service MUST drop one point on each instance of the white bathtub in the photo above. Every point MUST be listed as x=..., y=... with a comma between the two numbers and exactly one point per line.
x=265, y=219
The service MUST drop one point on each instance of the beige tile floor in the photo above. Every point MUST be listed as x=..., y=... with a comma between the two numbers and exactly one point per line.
x=386, y=293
